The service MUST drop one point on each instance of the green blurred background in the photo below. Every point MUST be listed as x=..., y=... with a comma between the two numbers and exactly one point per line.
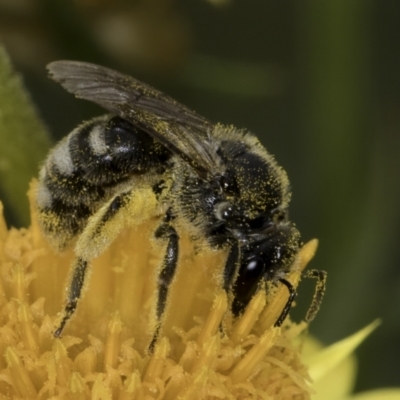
x=318, y=82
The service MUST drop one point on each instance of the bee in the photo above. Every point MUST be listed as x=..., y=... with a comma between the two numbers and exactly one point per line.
x=152, y=156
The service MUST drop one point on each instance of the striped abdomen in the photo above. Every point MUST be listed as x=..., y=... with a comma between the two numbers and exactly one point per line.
x=96, y=160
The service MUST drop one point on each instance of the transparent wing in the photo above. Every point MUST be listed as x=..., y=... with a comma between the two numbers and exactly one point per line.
x=180, y=129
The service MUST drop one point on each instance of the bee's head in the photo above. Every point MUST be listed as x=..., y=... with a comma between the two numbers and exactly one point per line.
x=255, y=190
x=268, y=255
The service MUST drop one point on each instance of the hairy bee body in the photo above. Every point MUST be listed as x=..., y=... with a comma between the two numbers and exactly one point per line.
x=85, y=170
x=154, y=157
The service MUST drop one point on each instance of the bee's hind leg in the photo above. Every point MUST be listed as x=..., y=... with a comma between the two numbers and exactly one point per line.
x=167, y=232
x=74, y=293
x=123, y=210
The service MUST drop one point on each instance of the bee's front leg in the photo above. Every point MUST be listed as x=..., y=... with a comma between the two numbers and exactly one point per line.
x=320, y=287
x=231, y=268
x=289, y=302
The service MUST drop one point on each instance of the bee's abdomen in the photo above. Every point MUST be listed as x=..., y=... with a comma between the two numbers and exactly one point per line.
x=86, y=169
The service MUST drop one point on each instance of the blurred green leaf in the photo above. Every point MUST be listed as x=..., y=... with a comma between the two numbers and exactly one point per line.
x=24, y=141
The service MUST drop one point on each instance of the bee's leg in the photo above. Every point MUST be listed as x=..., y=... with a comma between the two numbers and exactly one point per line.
x=288, y=305
x=316, y=301
x=168, y=268
x=167, y=273
x=231, y=267
x=74, y=293
x=123, y=210
x=320, y=287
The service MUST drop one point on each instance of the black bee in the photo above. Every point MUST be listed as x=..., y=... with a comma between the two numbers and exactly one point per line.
x=155, y=157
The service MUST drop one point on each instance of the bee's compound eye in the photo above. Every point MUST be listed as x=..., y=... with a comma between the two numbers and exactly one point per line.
x=250, y=276
x=255, y=267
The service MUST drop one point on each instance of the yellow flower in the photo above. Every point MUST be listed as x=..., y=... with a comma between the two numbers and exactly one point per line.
x=202, y=353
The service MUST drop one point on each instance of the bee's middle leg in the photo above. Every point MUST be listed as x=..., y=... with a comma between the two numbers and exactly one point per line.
x=167, y=232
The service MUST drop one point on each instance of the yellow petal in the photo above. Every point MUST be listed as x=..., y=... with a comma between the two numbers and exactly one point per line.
x=383, y=394
x=333, y=369
x=327, y=387
x=323, y=362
